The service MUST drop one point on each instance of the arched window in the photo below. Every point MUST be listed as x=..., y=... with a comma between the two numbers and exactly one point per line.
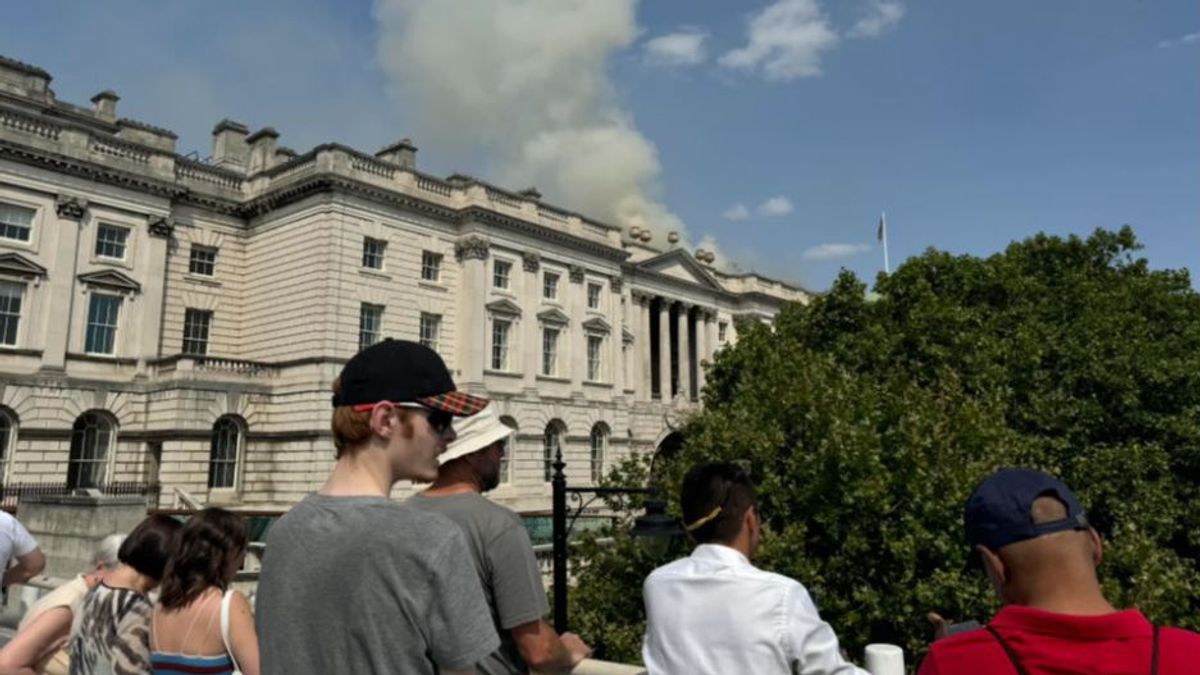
x=551, y=447
x=91, y=437
x=509, y=448
x=599, y=443
x=227, y=435
x=8, y=439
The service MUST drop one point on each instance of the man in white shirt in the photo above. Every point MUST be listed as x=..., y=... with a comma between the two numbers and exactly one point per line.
x=17, y=544
x=715, y=613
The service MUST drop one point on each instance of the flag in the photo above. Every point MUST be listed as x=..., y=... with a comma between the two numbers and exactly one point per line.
x=882, y=228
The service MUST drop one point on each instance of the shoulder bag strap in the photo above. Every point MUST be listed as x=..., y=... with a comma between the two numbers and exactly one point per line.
x=225, y=629
x=1012, y=656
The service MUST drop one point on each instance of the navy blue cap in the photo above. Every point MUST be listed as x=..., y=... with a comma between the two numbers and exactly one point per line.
x=1000, y=511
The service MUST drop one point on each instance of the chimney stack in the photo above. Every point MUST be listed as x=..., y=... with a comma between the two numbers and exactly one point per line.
x=262, y=149
x=106, y=105
x=402, y=154
x=229, y=145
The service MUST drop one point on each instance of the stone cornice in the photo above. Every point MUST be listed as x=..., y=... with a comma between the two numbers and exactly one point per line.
x=489, y=217
x=89, y=170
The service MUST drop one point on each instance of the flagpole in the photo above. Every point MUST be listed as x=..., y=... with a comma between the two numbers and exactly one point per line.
x=887, y=265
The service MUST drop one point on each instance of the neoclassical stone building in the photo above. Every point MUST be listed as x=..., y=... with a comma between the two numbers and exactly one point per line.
x=178, y=323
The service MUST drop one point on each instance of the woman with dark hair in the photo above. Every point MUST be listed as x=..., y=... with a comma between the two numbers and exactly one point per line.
x=201, y=624
x=113, y=634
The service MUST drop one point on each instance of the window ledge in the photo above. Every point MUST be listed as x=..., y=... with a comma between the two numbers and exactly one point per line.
x=554, y=378
x=13, y=350
x=112, y=262
x=598, y=384
x=371, y=272
x=433, y=285
x=504, y=292
x=18, y=244
x=503, y=373
x=202, y=280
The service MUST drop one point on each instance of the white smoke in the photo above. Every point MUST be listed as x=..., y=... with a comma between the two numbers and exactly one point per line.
x=524, y=84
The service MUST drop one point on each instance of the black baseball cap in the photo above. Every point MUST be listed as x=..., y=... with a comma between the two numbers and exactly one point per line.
x=1000, y=511
x=400, y=371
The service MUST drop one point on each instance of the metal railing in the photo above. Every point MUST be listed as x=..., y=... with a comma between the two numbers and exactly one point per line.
x=12, y=493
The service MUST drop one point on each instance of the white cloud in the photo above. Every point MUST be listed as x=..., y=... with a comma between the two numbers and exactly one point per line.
x=736, y=212
x=524, y=85
x=685, y=48
x=882, y=16
x=785, y=41
x=834, y=251
x=1188, y=39
x=775, y=207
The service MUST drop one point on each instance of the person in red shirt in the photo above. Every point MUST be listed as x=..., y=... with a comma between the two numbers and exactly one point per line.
x=1041, y=556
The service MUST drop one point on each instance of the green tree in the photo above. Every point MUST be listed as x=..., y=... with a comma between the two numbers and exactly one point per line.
x=868, y=421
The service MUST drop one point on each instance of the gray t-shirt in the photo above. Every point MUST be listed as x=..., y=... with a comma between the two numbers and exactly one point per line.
x=506, y=565
x=368, y=585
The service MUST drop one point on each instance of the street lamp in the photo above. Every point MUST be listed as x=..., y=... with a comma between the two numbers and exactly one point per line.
x=655, y=523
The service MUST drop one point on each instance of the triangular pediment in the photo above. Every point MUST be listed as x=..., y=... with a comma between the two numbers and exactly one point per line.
x=504, y=306
x=597, y=325
x=679, y=264
x=553, y=316
x=16, y=265
x=110, y=279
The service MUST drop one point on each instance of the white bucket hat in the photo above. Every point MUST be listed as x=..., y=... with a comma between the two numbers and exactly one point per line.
x=476, y=433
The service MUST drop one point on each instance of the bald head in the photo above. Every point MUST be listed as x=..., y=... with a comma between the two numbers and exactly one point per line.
x=1048, y=565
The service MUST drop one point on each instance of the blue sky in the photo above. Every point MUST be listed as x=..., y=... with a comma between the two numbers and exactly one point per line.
x=971, y=124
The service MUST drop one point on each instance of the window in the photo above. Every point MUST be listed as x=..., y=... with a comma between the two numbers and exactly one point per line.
x=196, y=323
x=597, y=441
x=550, y=286
x=223, y=453
x=103, y=312
x=431, y=266
x=373, y=249
x=595, y=360
x=506, y=461
x=551, y=448
x=593, y=295
x=549, y=351
x=10, y=311
x=90, y=439
x=370, y=319
x=431, y=327
x=8, y=436
x=202, y=261
x=110, y=241
x=16, y=222
x=500, y=332
x=501, y=270
x=722, y=328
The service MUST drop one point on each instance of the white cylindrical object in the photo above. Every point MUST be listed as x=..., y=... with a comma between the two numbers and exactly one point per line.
x=885, y=660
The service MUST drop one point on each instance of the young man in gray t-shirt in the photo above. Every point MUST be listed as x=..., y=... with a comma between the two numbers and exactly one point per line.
x=353, y=582
x=503, y=556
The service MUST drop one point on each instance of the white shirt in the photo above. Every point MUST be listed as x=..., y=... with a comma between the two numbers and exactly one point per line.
x=715, y=613
x=15, y=540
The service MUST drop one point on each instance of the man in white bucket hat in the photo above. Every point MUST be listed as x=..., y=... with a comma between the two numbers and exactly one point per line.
x=500, y=547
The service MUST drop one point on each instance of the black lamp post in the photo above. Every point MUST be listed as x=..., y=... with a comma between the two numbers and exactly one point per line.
x=654, y=523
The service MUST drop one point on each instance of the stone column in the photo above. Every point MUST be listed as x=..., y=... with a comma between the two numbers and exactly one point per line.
x=525, y=344
x=710, y=325
x=685, y=352
x=574, y=338
x=664, y=350
x=472, y=254
x=62, y=293
x=702, y=349
x=642, y=345
x=154, y=262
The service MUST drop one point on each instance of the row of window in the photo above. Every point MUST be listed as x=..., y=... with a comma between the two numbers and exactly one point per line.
x=112, y=241
x=370, y=326
x=551, y=339
x=93, y=437
x=431, y=270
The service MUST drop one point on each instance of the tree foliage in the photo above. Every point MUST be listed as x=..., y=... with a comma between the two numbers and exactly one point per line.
x=867, y=420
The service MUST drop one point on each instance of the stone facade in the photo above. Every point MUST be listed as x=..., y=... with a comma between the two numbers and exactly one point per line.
x=180, y=322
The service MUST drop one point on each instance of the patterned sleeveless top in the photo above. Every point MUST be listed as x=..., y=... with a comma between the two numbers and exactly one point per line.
x=113, y=634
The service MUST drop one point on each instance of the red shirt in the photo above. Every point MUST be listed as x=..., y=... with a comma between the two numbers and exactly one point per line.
x=1062, y=644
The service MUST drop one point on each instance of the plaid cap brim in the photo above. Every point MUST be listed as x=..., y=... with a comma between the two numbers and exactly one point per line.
x=457, y=403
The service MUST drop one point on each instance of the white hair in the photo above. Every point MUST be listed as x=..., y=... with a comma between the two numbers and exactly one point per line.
x=107, y=549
